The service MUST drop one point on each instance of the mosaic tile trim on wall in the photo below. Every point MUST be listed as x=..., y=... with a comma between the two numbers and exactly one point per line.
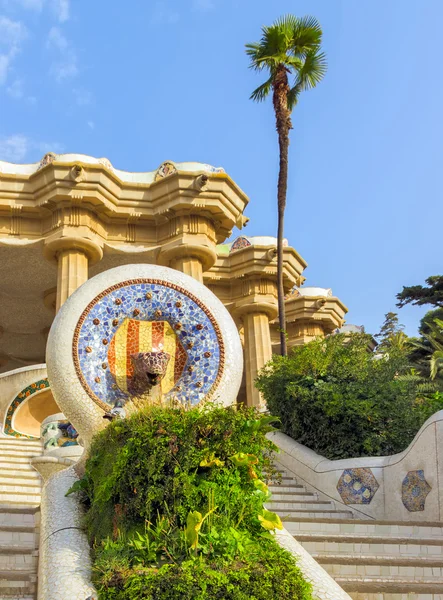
x=414, y=490
x=37, y=386
x=357, y=486
x=144, y=315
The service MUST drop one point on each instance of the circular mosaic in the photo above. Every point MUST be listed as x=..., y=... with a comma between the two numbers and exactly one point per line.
x=147, y=316
x=144, y=333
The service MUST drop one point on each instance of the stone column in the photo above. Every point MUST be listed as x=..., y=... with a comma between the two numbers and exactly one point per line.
x=72, y=267
x=73, y=257
x=190, y=266
x=189, y=259
x=258, y=350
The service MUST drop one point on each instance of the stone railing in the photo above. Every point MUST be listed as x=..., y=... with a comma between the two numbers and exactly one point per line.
x=404, y=487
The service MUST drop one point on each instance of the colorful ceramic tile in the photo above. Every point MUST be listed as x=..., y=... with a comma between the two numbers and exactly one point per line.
x=357, y=486
x=165, y=170
x=48, y=158
x=37, y=386
x=147, y=316
x=414, y=491
x=239, y=243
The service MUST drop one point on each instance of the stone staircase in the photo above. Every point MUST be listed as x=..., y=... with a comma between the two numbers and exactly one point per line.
x=371, y=560
x=20, y=490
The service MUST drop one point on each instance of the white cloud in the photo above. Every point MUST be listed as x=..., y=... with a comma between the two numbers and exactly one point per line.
x=4, y=67
x=91, y=124
x=17, y=91
x=65, y=67
x=82, y=97
x=36, y=5
x=12, y=34
x=61, y=10
x=56, y=39
x=16, y=148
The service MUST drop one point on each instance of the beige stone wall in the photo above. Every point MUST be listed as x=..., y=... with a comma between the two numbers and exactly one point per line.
x=72, y=217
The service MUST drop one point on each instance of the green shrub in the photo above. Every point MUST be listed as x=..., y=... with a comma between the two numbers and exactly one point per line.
x=333, y=396
x=174, y=504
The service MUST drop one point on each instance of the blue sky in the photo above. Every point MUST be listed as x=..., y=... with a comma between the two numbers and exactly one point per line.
x=144, y=81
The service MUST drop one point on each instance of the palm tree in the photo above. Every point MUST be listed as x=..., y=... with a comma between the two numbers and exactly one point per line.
x=291, y=47
x=435, y=339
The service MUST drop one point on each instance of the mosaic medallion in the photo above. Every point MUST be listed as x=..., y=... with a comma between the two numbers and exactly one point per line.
x=28, y=391
x=48, y=158
x=239, y=243
x=414, y=491
x=357, y=486
x=147, y=316
x=165, y=170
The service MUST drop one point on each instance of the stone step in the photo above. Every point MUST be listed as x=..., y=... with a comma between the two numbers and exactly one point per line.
x=390, y=585
x=16, y=537
x=405, y=547
x=15, y=443
x=9, y=463
x=394, y=596
x=22, y=466
x=18, y=453
x=434, y=563
x=288, y=507
x=290, y=489
x=409, y=572
x=296, y=516
x=27, y=487
x=20, y=499
x=363, y=529
x=26, y=561
x=19, y=477
x=289, y=499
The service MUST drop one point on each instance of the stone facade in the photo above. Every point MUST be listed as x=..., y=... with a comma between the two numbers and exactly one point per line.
x=70, y=217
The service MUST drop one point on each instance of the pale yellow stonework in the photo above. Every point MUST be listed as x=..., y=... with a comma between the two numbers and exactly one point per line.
x=72, y=217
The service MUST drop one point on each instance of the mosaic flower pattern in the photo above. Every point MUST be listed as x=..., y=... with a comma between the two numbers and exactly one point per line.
x=142, y=316
x=239, y=243
x=357, y=486
x=414, y=491
x=37, y=386
x=165, y=170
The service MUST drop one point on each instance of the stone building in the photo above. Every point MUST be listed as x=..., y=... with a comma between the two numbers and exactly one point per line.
x=72, y=216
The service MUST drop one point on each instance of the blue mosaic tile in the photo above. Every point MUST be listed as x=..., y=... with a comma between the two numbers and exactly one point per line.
x=414, y=490
x=193, y=325
x=357, y=486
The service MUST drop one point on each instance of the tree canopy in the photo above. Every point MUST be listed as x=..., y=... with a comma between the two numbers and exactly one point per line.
x=419, y=295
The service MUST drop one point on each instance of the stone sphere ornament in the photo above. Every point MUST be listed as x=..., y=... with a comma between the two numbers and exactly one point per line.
x=138, y=326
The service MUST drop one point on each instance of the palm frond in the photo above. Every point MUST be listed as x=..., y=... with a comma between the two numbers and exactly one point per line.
x=308, y=76
x=312, y=71
x=436, y=363
x=307, y=35
x=259, y=94
x=294, y=43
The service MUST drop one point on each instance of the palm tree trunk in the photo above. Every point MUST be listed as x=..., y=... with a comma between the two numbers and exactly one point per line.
x=283, y=125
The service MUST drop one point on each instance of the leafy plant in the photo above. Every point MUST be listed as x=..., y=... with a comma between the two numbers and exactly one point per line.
x=174, y=505
x=333, y=396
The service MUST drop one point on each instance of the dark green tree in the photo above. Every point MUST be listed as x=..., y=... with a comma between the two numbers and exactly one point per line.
x=419, y=295
x=391, y=332
x=290, y=48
